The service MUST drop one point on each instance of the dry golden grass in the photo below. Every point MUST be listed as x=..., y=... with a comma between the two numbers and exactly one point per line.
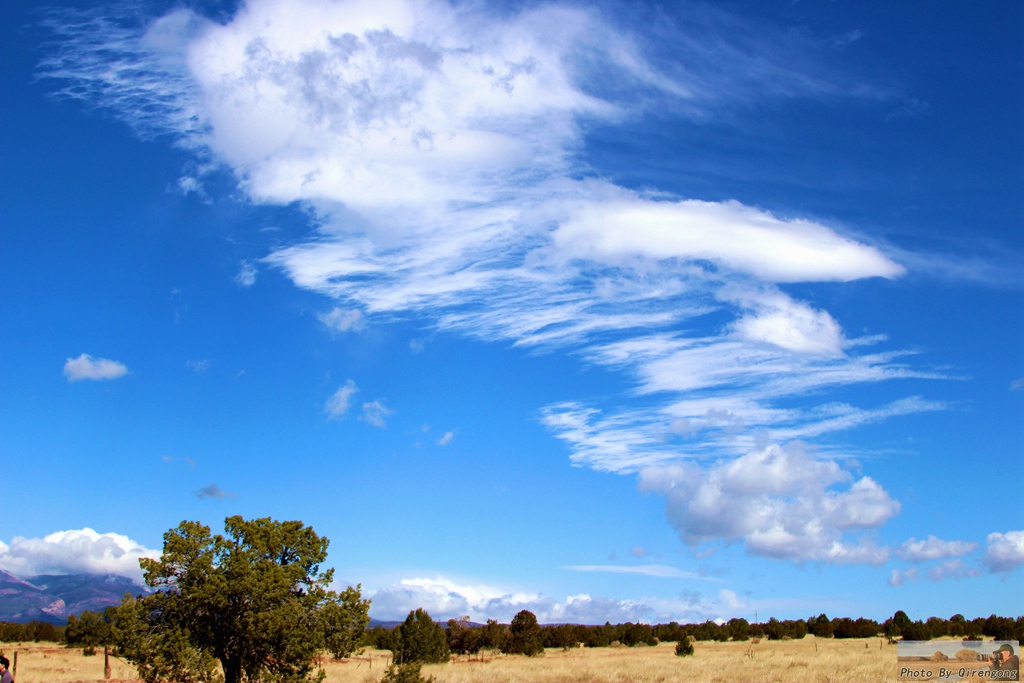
x=797, y=661
x=52, y=663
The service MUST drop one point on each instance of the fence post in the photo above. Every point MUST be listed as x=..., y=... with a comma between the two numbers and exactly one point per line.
x=14, y=671
x=106, y=661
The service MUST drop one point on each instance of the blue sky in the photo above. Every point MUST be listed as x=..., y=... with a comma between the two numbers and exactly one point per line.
x=612, y=312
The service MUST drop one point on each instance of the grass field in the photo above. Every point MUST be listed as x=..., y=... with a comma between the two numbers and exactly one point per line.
x=804, y=661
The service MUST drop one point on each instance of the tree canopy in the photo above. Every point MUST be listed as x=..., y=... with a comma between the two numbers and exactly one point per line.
x=254, y=598
x=524, y=635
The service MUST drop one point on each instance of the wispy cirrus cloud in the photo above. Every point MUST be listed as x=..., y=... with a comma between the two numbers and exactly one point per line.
x=246, y=276
x=441, y=150
x=656, y=570
x=340, y=320
x=376, y=413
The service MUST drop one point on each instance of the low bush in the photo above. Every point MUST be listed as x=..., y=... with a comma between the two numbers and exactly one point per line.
x=405, y=673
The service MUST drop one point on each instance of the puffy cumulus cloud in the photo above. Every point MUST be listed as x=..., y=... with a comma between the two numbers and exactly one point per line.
x=338, y=404
x=86, y=367
x=81, y=551
x=781, y=502
x=386, y=103
x=445, y=599
x=791, y=325
x=1004, y=552
x=933, y=548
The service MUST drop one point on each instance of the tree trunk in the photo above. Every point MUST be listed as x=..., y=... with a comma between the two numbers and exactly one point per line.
x=232, y=669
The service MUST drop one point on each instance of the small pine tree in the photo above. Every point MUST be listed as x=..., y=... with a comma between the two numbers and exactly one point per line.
x=684, y=648
x=420, y=639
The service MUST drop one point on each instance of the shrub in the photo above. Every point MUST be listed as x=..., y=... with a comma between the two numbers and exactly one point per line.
x=405, y=673
x=966, y=655
x=916, y=631
x=684, y=648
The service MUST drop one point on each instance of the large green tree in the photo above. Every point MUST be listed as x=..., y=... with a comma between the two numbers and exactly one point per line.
x=254, y=599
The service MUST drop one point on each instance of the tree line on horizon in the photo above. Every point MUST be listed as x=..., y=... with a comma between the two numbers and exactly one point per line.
x=253, y=605
x=463, y=637
x=466, y=638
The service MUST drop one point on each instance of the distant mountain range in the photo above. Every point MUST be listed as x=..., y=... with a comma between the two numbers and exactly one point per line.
x=52, y=598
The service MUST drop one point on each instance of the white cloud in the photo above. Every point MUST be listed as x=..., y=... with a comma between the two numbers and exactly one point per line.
x=738, y=237
x=338, y=403
x=214, y=492
x=933, y=548
x=793, y=326
x=246, y=276
x=86, y=367
x=340, y=320
x=81, y=551
x=446, y=599
x=192, y=184
x=1004, y=552
x=638, y=551
x=898, y=578
x=1017, y=384
x=376, y=413
x=446, y=439
x=198, y=365
x=438, y=149
x=655, y=570
x=952, y=569
x=781, y=502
